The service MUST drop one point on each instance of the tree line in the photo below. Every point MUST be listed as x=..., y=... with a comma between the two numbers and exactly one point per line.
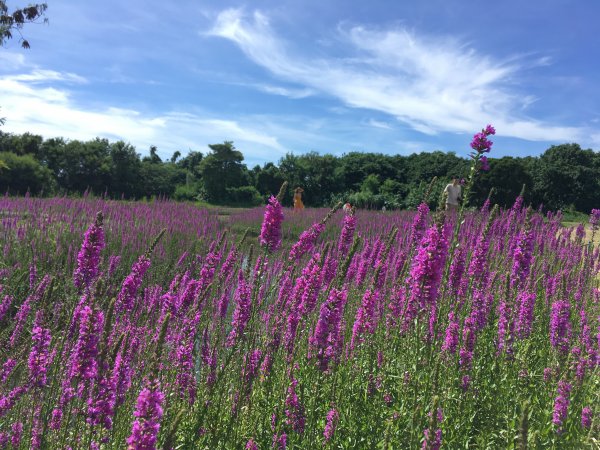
x=563, y=177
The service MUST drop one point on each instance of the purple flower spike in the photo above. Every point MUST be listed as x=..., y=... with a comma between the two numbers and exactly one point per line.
x=270, y=233
x=148, y=413
x=88, y=258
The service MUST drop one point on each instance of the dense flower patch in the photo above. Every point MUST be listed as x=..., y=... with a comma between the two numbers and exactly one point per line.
x=148, y=326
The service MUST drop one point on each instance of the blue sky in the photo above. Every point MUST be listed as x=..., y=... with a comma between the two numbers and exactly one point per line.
x=294, y=76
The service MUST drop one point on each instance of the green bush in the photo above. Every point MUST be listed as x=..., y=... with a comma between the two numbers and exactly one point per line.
x=24, y=173
x=244, y=196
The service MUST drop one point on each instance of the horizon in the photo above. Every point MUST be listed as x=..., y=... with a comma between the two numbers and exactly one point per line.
x=280, y=78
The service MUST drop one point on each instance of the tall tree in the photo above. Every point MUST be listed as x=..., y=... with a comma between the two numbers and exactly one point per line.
x=568, y=176
x=221, y=170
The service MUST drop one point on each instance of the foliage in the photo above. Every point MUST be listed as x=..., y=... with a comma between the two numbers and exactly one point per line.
x=474, y=333
x=14, y=20
x=24, y=174
x=564, y=177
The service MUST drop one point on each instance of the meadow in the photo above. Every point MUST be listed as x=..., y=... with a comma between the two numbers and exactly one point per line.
x=160, y=325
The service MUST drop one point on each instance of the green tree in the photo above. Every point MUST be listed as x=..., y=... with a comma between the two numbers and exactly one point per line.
x=268, y=179
x=14, y=20
x=371, y=184
x=125, y=172
x=159, y=179
x=25, y=174
x=507, y=176
x=153, y=158
x=568, y=176
x=221, y=170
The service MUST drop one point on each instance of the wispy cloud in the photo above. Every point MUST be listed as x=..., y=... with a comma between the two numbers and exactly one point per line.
x=433, y=84
x=31, y=106
x=286, y=92
x=379, y=124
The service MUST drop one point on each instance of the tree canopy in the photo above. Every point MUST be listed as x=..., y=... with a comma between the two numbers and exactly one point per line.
x=563, y=177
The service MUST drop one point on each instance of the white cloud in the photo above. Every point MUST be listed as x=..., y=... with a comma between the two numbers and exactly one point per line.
x=11, y=61
x=29, y=106
x=379, y=124
x=286, y=92
x=45, y=76
x=433, y=84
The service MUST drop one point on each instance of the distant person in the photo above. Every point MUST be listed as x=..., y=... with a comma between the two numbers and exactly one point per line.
x=298, y=205
x=453, y=193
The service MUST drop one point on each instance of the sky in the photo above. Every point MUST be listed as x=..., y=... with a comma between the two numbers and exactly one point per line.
x=291, y=76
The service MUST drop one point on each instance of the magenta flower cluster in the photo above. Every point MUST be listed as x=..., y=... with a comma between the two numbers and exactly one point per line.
x=270, y=233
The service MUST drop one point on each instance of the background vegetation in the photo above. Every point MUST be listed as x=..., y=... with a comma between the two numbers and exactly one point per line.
x=564, y=177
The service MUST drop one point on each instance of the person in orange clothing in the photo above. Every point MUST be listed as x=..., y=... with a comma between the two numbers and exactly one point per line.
x=298, y=205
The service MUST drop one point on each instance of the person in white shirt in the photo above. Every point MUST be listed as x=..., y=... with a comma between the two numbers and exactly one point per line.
x=453, y=194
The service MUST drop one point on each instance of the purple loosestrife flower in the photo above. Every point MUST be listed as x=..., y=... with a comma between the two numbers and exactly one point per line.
x=560, y=325
x=148, y=413
x=84, y=364
x=280, y=441
x=291, y=327
x=452, y=334
x=294, y=411
x=586, y=417
x=526, y=302
x=113, y=263
x=480, y=142
x=88, y=258
x=131, y=284
x=306, y=241
x=101, y=408
x=595, y=218
x=313, y=278
x=419, y=223
x=347, y=234
x=331, y=421
x=32, y=274
x=432, y=444
x=477, y=266
x=425, y=275
x=486, y=206
x=251, y=365
x=457, y=269
x=489, y=130
x=485, y=164
x=325, y=335
x=207, y=272
x=469, y=338
x=17, y=434
x=365, y=320
x=38, y=357
x=7, y=369
x=25, y=309
x=251, y=445
x=270, y=233
x=522, y=258
x=8, y=401
x=505, y=325
x=241, y=314
x=36, y=428
x=185, y=367
x=121, y=376
x=227, y=266
x=561, y=405
x=5, y=306
x=3, y=440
